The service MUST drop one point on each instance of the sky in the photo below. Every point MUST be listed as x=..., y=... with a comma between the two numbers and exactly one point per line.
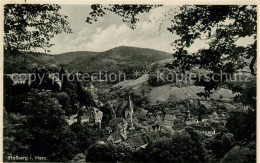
x=110, y=32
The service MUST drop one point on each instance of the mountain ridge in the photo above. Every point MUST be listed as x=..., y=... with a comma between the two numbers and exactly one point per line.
x=118, y=58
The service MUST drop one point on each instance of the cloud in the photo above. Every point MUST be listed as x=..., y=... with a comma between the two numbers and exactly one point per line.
x=145, y=35
x=111, y=32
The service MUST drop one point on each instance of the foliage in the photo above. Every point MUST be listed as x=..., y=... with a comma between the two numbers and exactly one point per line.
x=85, y=136
x=16, y=137
x=15, y=95
x=79, y=158
x=220, y=144
x=41, y=80
x=41, y=129
x=107, y=114
x=180, y=147
x=40, y=113
x=127, y=12
x=108, y=152
x=64, y=101
x=243, y=123
x=46, y=121
x=28, y=27
x=246, y=93
x=27, y=62
x=243, y=126
x=85, y=96
x=222, y=26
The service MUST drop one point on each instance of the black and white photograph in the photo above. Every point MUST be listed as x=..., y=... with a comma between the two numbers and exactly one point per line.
x=123, y=82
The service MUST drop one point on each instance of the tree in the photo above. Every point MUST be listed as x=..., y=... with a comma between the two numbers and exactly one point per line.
x=15, y=95
x=85, y=96
x=107, y=113
x=108, y=152
x=30, y=27
x=46, y=122
x=64, y=100
x=16, y=138
x=243, y=126
x=220, y=144
x=180, y=147
x=85, y=136
x=79, y=158
x=42, y=80
x=127, y=12
x=40, y=130
x=220, y=25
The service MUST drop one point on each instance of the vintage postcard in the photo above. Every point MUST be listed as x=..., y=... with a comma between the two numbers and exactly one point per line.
x=129, y=81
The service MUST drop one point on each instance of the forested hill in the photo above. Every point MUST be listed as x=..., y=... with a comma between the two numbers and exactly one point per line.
x=119, y=58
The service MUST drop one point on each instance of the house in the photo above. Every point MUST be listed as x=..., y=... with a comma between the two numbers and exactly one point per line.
x=95, y=115
x=177, y=113
x=115, y=138
x=213, y=116
x=150, y=137
x=187, y=113
x=157, y=124
x=135, y=142
x=85, y=118
x=121, y=107
x=168, y=120
x=158, y=112
x=206, y=104
x=204, y=129
x=72, y=119
x=140, y=113
x=167, y=129
x=181, y=107
x=230, y=106
x=92, y=116
x=98, y=115
x=191, y=121
x=118, y=125
x=150, y=126
x=108, y=130
x=222, y=116
x=217, y=123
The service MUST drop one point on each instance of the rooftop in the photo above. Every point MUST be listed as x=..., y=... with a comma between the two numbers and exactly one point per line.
x=115, y=121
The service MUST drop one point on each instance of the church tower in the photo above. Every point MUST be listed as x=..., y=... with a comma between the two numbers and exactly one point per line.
x=129, y=113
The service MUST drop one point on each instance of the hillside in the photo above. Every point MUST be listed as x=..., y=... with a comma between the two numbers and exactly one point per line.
x=24, y=63
x=120, y=58
x=169, y=92
x=70, y=57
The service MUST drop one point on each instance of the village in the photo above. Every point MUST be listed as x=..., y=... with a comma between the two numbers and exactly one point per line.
x=137, y=126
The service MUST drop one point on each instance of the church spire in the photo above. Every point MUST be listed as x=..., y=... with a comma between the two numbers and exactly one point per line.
x=129, y=112
x=130, y=104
